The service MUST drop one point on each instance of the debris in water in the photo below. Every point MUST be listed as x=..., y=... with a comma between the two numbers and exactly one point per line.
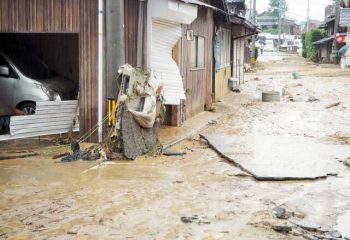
x=333, y=105
x=296, y=75
x=91, y=154
x=279, y=212
x=189, y=219
x=347, y=162
x=212, y=109
x=312, y=99
x=236, y=90
x=282, y=228
x=306, y=225
x=173, y=153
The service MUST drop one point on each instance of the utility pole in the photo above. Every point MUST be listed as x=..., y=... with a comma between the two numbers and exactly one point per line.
x=279, y=25
x=252, y=47
x=336, y=29
x=308, y=16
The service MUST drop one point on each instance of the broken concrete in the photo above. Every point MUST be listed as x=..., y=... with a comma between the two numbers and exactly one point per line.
x=343, y=224
x=279, y=212
x=304, y=224
x=279, y=158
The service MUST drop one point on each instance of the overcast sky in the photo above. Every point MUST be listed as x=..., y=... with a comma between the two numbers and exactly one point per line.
x=298, y=8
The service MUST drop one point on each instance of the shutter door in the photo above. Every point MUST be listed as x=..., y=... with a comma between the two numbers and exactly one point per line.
x=164, y=37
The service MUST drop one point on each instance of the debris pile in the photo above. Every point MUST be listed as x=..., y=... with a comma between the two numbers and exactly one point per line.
x=287, y=223
x=135, y=119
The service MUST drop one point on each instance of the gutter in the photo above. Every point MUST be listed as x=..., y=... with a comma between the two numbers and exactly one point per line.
x=199, y=3
x=100, y=68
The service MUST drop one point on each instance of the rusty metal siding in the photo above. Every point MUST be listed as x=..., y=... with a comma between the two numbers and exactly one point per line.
x=199, y=81
x=63, y=16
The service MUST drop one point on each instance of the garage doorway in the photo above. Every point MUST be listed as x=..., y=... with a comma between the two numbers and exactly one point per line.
x=42, y=68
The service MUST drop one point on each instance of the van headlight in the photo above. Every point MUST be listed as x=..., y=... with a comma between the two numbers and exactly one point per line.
x=52, y=95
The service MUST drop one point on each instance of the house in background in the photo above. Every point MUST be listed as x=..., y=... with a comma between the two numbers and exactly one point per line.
x=325, y=45
x=345, y=23
x=267, y=22
x=232, y=34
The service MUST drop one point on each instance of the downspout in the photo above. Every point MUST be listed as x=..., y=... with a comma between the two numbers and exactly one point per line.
x=140, y=34
x=100, y=68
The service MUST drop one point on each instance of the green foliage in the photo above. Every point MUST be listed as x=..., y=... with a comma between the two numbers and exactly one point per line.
x=272, y=30
x=256, y=53
x=162, y=108
x=309, y=50
x=303, y=41
x=275, y=5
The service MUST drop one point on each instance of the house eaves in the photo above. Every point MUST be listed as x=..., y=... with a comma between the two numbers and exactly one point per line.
x=324, y=40
x=239, y=20
x=199, y=3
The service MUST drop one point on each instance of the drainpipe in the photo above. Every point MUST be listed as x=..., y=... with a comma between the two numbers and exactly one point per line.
x=140, y=34
x=100, y=69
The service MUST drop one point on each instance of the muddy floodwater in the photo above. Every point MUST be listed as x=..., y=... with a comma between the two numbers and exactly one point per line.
x=199, y=195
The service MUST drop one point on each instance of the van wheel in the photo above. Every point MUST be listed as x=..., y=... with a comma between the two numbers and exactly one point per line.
x=27, y=108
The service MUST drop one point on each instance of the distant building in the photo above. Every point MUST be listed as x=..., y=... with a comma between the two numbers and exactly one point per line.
x=325, y=45
x=268, y=22
x=313, y=24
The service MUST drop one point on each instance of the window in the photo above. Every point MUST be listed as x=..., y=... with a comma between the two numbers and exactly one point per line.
x=225, y=36
x=198, y=52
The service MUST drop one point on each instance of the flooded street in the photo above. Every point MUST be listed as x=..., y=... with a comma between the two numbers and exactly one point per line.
x=201, y=195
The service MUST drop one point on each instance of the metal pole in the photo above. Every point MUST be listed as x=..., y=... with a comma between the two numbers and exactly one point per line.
x=279, y=25
x=308, y=16
x=252, y=49
x=336, y=29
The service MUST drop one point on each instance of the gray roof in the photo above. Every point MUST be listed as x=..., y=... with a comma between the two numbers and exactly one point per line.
x=344, y=17
x=324, y=40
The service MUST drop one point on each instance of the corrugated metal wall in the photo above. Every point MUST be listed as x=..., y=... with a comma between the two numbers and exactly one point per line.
x=199, y=81
x=62, y=16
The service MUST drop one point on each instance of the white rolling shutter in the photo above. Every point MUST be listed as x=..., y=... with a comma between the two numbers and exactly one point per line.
x=164, y=36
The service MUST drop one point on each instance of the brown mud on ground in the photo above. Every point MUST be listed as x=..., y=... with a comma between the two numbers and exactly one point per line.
x=41, y=198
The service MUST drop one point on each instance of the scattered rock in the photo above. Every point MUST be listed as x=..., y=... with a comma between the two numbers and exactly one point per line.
x=306, y=225
x=296, y=75
x=256, y=79
x=279, y=212
x=212, y=109
x=173, y=153
x=312, y=99
x=213, y=122
x=179, y=181
x=334, y=234
x=333, y=105
x=189, y=219
x=347, y=162
x=281, y=228
x=236, y=90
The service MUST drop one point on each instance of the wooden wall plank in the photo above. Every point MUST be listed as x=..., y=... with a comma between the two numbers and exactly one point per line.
x=199, y=81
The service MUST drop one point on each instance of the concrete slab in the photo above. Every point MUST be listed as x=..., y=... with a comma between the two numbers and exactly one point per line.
x=279, y=158
x=343, y=225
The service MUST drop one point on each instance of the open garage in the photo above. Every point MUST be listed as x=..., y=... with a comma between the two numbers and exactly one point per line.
x=64, y=35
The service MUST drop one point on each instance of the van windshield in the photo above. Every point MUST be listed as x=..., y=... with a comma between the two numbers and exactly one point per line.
x=29, y=64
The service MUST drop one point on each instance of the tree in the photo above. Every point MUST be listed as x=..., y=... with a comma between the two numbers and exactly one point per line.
x=274, y=7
